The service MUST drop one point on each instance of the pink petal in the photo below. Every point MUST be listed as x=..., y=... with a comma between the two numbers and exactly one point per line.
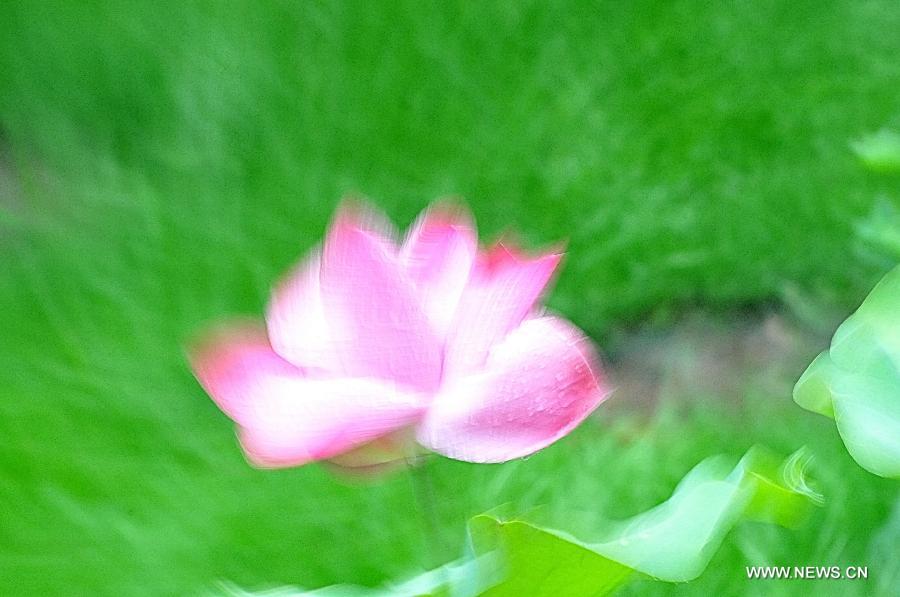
x=502, y=290
x=377, y=326
x=437, y=256
x=537, y=386
x=296, y=320
x=287, y=419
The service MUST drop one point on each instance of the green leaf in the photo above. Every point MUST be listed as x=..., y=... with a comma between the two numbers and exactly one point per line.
x=857, y=381
x=539, y=561
x=672, y=542
x=813, y=390
x=879, y=152
x=466, y=577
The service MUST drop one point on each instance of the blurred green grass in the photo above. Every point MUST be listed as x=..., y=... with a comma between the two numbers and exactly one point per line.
x=163, y=163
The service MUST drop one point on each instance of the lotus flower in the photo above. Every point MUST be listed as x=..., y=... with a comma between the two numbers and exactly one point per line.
x=368, y=340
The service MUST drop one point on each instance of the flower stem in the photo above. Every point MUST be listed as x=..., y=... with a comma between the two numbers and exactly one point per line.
x=426, y=504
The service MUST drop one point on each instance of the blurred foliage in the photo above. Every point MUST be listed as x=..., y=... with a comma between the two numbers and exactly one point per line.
x=163, y=163
x=879, y=234
x=880, y=152
x=672, y=542
x=685, y=155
